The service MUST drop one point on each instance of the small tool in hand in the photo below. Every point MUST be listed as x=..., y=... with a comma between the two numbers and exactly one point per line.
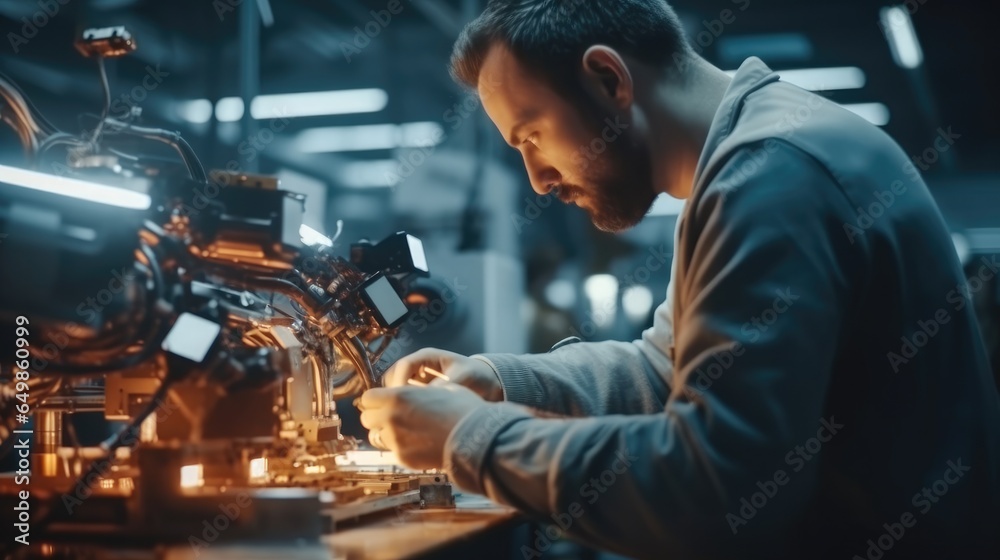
x=425, y=372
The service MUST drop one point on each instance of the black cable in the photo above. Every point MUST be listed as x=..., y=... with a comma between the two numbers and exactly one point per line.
x=173, y=139
x=152, y=344
x=107, y=100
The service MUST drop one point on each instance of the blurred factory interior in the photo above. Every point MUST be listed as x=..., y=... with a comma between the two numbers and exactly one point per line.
x=353, y=106
x=387, y=141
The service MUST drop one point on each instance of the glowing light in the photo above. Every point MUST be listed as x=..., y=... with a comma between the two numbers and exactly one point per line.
x=258, y=468
x=903, y=43
x=192, y=476
x=602, y=292
x=637, y=301
x=561, y=294
x=312, y=237
x=332, y=139
x=74, y=188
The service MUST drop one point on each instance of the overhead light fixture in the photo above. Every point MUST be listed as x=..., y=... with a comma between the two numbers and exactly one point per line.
x=288, y=105
x=369, y=137
x=773, y=47
x=74, y=188
x=319, y=103
x=898, y=28
x=875, y=113
x=826, y=79
x=196, y=111
x=822, y=79
x=229, y=109
x=310, y=104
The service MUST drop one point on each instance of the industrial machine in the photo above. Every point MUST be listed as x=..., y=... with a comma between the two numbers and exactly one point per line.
x=198, y=312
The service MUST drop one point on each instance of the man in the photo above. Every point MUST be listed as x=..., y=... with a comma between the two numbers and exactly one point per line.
x=827, y=393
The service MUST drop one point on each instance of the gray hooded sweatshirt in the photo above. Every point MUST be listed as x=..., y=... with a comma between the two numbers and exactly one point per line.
x=814, y=386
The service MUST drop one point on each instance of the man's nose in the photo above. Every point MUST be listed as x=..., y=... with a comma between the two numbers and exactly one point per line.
x=541, y=174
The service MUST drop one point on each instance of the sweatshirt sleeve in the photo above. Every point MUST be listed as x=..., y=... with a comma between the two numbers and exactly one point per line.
x=760, y=303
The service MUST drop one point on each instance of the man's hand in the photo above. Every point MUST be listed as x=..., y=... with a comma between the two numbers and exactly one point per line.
x=414, y=422
x=475, y=374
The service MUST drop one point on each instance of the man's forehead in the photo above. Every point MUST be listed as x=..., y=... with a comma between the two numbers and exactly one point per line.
x=504, y=83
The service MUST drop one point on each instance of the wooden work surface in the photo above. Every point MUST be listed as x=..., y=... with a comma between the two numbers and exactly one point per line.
x=474, y=524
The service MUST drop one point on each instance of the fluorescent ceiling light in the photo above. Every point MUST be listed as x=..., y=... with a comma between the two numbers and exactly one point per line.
x=898, y=28
x=826, y=79
x=229, y=109
x=875, y=113
x=292, y=105
x=345, y=102
x=774, y=47
x=197, y=111
x=74, y=188
x=369, y=137
x=822, y=79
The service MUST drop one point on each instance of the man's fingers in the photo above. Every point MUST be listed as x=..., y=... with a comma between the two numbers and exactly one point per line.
x=375, y=419
x=373, y=399
x=409, y=366
x=397, y=375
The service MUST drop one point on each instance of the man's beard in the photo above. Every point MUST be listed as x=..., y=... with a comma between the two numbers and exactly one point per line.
x=621, y=187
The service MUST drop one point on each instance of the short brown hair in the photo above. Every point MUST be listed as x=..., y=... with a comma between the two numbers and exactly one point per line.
x=550, y=36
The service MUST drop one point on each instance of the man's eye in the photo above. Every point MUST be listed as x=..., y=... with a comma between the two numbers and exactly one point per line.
x=532, y=139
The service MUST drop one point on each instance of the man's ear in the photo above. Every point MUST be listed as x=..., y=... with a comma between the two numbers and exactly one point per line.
x=606, y=77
